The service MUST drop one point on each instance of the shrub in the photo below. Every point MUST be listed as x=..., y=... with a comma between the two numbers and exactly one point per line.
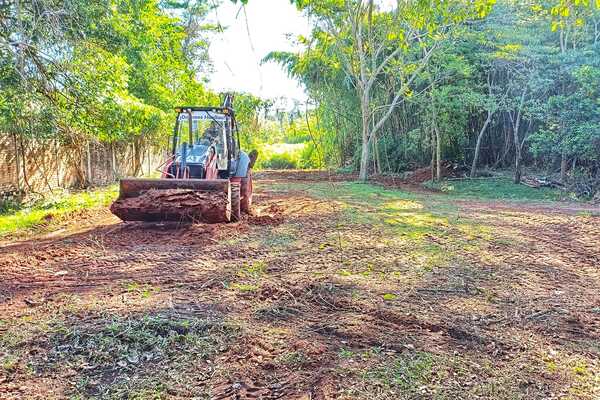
x=309, y=157
x=281, y=161
x=9, y=202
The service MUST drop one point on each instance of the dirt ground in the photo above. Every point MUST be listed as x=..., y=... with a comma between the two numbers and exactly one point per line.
x=331, y=290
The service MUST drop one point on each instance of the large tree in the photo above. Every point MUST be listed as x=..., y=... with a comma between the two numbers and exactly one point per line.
x=370, y=42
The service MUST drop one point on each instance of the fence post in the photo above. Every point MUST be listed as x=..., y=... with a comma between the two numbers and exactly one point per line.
x=133, y=159
x=149, y=162
x=57, y=163
x=17, y=163
x=113, y=161
x=89, y=164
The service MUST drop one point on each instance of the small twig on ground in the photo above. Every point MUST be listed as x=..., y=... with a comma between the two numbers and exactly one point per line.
x=538, y=314
x=437, y=290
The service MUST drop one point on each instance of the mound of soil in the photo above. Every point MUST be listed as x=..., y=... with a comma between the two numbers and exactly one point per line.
x=266, y=220
x=174, y=205
x=424, y=174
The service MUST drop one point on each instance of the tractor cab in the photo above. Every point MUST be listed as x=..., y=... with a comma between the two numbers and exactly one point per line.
x=206, y=178
x=204, y=145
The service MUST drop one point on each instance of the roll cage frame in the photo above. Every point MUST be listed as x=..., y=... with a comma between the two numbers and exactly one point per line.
x=231, y=127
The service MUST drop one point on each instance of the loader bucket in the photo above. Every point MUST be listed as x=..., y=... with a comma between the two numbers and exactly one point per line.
x=156, y=200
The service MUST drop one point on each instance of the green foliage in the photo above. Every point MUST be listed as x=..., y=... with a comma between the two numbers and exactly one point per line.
x=389, y=80
x=248, y=110
x=530, y=68
x=53, y=210
x=108, y=70
x=280, y=161
x=572, y=116
x=404, y=373
x=288, y=156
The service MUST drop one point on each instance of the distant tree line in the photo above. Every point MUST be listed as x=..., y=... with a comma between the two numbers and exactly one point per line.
x=484, y=84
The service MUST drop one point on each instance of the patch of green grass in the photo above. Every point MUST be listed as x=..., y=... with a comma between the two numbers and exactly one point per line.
x=279, y=237
x=494, y=189
x=346, y=353
x=144, y=290
x=389, y=296
x=375, y=196
x=344, y=272
x=54, y=208
x=294, y=359
x=253, y=270
x=414, y=220
x=157, y=392
x=399, y=377
x=585, y=214
x=134, y=357
x=9, y=363
x=244, y=287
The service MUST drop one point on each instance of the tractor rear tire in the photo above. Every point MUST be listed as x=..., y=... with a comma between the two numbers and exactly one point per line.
x=236, y=214
x=246, y=192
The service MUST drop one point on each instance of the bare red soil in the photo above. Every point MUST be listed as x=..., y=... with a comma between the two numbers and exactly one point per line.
x=494, y=300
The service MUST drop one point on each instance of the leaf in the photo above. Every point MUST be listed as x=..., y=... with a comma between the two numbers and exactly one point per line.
x=389, y=296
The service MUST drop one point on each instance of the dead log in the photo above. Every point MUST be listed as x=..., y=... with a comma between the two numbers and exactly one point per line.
x=531, y=182
x=536, y=183
x=175, y=205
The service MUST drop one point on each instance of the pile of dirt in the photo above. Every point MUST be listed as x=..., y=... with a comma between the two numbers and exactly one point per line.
x=305, y=175
x=174, y=205
x=266, y=220
x=420, y=175
x=424, y=174
x=267, y=216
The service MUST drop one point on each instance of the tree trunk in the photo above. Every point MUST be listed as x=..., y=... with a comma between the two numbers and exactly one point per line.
x=148, y=160
x=518, y=166
x=517, y=155
x=438, y=155
x=438, y=141
x=478, y=145
x=364, y=156
x=433, y=151
x=563, y=168
x=363, y=174
x=517, y=152
x=517, y=141
x=377, y=155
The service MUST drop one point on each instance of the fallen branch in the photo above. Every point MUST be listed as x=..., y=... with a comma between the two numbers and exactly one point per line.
x=536, y=183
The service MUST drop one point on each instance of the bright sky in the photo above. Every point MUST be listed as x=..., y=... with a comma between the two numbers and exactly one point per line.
x=236, y=55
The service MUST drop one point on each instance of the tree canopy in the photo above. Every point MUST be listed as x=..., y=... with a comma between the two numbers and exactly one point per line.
x=486, y=83
x=483, y=83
